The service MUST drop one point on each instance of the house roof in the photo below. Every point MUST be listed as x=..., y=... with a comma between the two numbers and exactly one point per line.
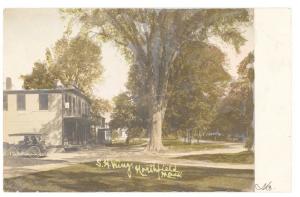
x=40, y=91
x=25, y=134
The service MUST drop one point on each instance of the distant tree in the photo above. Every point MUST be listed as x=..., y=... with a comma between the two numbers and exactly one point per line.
x=141, y=101
x=40, y=77
x=235, y=113
x=152, y=39
x=100, y=106
x=246, y=80
x=124, y=116
x=195, y=88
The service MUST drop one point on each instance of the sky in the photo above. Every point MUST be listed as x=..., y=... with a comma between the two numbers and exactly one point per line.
x=28, y=32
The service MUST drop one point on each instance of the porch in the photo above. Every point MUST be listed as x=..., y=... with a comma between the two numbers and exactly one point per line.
x=75, y=131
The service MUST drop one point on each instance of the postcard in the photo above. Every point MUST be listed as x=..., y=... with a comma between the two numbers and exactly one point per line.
x=148, y=100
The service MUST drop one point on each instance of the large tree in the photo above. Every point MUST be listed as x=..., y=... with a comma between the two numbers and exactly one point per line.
x=76, y=61
x=72, y=61
x=152, y=39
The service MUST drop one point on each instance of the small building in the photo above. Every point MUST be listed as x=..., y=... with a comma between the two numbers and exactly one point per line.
x=102, y=133
x=61, y=115
x=122, y=134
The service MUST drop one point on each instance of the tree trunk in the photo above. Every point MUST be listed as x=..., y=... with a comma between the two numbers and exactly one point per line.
x=155, y=143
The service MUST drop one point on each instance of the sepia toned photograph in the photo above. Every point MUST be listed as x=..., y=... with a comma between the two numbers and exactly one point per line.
x=125, y=100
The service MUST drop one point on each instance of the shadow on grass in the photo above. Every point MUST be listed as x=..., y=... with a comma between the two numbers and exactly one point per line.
x=26, y=161
x=245, y=157
x=182, y=146
x=171, y=144
x=88, y=177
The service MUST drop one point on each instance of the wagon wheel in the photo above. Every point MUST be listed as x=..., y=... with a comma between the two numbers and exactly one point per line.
x=34, y=152
x=12, y=152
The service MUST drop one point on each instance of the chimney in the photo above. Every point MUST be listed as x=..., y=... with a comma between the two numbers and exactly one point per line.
x=8, y=83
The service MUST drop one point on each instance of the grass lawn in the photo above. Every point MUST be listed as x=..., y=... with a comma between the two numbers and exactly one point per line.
x=246, y=157
x=133, y=142
x=88, y=177
x=171, y=144
x=177, y=145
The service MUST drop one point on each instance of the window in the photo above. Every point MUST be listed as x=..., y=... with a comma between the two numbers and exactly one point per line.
x=70, y=104
x=77, y=103
x=79, y=106
x=21, y=102
x=103, y=122
x=66, y=98
x=43, y=101
x=83, y=108
x=5, y=104
x=74, y=106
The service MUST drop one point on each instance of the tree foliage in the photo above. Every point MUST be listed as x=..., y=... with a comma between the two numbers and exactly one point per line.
x=235, y=113
x=195, y=88
x=72, y=61
x=76, y=62
x=40, y=78
x=125, y=116
x=99, y=107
